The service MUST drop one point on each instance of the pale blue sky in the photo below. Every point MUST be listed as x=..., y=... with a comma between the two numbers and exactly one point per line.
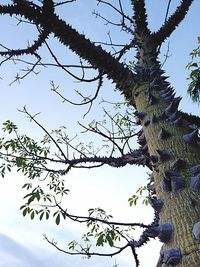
x=21, y=240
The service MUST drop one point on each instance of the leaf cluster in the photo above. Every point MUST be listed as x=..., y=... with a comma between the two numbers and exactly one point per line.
x=194, y=67
x=141, y=193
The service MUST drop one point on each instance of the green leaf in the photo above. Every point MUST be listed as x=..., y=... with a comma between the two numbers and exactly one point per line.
x=72, y=245
x=100, y=240
x=41, y=216
x=47, y=214
x=194, y=76
x=194, y=65
x=9, y=126
x=25, y=212
x=32, y=214
x=31, y=199
x=58, y=219
x=110, y=241
x=27, y=186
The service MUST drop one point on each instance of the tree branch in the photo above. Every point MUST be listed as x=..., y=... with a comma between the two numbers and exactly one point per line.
x=95, y=55
x=135, y=157
x=64, y=2
x=140, y=16
x=147, y=233
x=89, y=254
x=43, y=35
x=86, y=219
x=42, y=127
x=170, y=25
x=78, y=43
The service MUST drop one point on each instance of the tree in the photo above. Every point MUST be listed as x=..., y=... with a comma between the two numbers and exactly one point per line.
x=168, y=138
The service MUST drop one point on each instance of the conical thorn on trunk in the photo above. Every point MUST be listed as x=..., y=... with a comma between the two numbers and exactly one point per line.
x=163, y=134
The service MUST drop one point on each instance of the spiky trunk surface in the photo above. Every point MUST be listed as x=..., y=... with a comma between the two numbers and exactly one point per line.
x=173, y=154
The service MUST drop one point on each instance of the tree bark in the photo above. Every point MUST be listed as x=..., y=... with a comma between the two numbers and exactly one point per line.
x=178, y=208
x=167, y=143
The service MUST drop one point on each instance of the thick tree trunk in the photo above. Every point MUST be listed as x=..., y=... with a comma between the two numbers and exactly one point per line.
x=172, y=180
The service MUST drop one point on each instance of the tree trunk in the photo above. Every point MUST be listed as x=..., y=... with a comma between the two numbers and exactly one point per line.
x=172, y=178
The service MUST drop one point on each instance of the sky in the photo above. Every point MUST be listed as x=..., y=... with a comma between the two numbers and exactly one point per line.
x=21, y=240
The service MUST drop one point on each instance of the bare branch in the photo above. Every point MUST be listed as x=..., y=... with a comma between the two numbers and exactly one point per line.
x=30, y=50
x=107, y=21
x=135, y=256
x=95, y=55
x=64, y=2
x=80, y=79
x=27, y=71
x=119, y=11
x=123, y=20
x=167, y=12
x=85, y=99
x=42, y=127
x=170, y=25
x=126, y=48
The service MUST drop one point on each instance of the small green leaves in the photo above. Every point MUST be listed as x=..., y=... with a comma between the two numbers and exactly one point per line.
x=32, y=159
x=57, y=219
x=58, y=215
x=99, y=213
x=9, y=127
x=107, y=237
x=86, y=237
x=100, y=240
x=140, y=193
x=35, y=195
x=44, y=213
x=33, y=214
x=57, y=185
x=146, y=201
x=28, y=210
x=98, y=233
x=27, y=186
x=194, y=77
x=110, y=238
x=5, y=167
x=72, y=245
x=131, y=64
x=25, y=209
x=133, y=200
